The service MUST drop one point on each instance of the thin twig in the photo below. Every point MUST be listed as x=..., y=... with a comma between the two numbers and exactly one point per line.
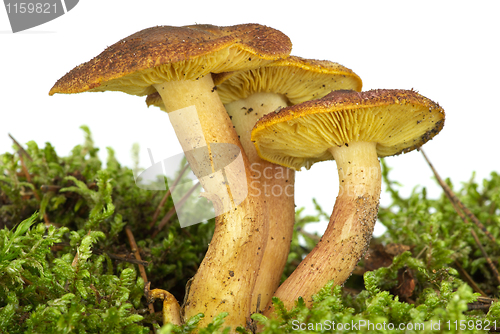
x=478, y=243
x=457, y=205
x=21, y=148
x=483, y=307
x=26, y=173
x=488, y=260
x=48, y=188
x=422, y=251
x=454, y=199
x=172, y=211
x=137, y=255
x=121, y=258
x=97, y=294
x=487, y=300
x=314, y=237
x=60, y=245
x=164, y=199
x=22, y=152
x=469, y=279
x=482, y=303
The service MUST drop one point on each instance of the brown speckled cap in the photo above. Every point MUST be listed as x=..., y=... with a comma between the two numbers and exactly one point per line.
x=299, y=79
x=399, y=121
x=166, y=53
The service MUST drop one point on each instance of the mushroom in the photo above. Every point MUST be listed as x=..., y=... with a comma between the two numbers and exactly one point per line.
x=249, y=95
x=354, y=129
x=178, y=62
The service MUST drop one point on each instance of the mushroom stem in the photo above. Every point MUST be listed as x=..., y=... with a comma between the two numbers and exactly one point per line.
x=216, y=125
x=226, y=277
x=350, y=228
x=244, y=113
x=171, y=308
x=275, y=185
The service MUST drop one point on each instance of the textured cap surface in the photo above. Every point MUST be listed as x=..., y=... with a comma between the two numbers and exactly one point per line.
x=165, y=53
x=299, y=79
x=399, y=121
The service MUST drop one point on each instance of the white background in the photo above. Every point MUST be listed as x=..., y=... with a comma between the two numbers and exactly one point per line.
x=446, y=50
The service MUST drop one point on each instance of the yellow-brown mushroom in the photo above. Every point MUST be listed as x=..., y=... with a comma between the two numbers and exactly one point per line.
x=177, y=62
x=354, y=129
x=248, y=96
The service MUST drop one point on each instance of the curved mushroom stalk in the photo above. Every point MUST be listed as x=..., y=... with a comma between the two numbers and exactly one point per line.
x=171, y=309
x=354, y=129
x=226, y=277
x=250, y=95
x=178, y=62
x=272, y=183
x=349, y=231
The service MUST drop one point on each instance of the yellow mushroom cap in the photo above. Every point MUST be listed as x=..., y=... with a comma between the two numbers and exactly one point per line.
x=399, y=121
x=299, y=79
x=165, y=53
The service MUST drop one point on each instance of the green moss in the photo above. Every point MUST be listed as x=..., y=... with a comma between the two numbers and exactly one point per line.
x=63, y=235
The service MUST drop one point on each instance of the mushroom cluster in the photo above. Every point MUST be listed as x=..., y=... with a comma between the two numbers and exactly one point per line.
x=282, y=113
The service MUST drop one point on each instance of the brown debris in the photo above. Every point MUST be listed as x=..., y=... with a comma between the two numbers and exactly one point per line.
x=406, y=285
x=381, y=256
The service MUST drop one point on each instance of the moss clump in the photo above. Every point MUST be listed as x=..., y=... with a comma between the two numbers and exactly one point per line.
x=66, y=264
